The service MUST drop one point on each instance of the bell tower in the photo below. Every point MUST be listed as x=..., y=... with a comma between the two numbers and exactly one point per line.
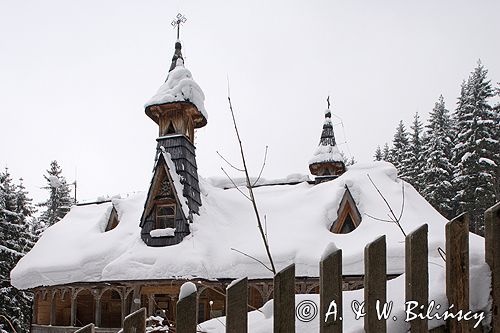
x=174, y=195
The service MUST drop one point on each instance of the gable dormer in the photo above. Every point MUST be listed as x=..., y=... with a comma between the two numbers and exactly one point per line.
x=164, y=220
x=348, y=216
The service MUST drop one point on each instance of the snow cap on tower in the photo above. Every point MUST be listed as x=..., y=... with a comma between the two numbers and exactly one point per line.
x=327, y=161
x=179, y=88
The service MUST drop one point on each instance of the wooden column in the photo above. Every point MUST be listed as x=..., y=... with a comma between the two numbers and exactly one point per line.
x=375, y=285
x=417, y=275
x=53, y=307
x=457, y=269
x=73, y=307
x=284, y=300
x=186, y=318
x=124, y=306
x=151, y=302
x=492, y=248
x=237, y=307
x=330, y=290
x=98, y=310
x=135, y=322
x=136, y=294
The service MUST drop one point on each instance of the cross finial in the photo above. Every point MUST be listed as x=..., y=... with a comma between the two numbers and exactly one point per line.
x=179, y=19
x=328, y=102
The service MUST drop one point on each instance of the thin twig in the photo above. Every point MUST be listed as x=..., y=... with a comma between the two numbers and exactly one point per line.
x=228, y=163
x=262, y=168
x=235, y=186
x=403, y=203
x=395, y=219
x=249, y=186
x=249, y=256
x=442, y=253
x=11, y=326
x=376, y=218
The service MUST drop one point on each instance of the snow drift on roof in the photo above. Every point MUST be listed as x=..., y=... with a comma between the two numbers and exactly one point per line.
x=77, y=248
x=180, y=87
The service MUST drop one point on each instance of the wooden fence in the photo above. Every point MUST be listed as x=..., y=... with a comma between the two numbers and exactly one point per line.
x=417, y=282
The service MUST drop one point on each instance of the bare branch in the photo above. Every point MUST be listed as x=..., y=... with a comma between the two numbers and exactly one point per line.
x=249, y=256
x=232, y=166
x=393, y=217
x=442, y=253
x=262, y=168
x=403, y=203
x=249, y=187
x=376, y=218
x=235, y=186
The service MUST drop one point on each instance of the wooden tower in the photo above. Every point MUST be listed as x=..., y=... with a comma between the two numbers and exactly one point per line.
x=327, y=162
x=174, y=193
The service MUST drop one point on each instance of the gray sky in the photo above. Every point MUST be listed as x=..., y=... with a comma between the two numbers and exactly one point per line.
x=75, y=77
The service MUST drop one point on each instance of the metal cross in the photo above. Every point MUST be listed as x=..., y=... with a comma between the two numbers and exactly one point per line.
x=328, y=101
x=179, y=19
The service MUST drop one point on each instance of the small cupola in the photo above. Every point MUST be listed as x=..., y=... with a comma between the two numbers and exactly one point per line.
x=178, y=106
x=327, y=162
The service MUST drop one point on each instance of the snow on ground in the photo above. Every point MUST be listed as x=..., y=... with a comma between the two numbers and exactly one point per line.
x=77, y=249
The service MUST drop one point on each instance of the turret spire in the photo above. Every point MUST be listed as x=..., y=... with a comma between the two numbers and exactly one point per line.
x=327, y=161
x=177, y=59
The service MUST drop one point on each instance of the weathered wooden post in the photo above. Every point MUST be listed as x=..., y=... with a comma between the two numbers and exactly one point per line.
x=375, y=285
x=135, y=322
x=186, y=309
x=457, y=269
x=284, y=300
x=330, y=290
x=417, y=275
x=86, y=329
x=492, y=248
x=237, y=307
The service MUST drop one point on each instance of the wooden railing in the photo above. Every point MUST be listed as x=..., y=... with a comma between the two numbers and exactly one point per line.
x=417, y=286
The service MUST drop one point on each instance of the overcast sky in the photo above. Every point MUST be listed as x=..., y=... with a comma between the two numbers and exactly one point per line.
x=74, y=77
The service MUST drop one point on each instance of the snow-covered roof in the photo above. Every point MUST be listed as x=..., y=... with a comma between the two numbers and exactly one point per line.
x=298, y=218
x=180, y=87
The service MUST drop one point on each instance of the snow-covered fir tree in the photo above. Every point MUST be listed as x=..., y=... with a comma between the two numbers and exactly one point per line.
x=378, y=154
x=15, y=240
x=386, y=152
x=477, y=151
x=399, y=153
x=416, y=155
x=438, y=169
x=60, y=201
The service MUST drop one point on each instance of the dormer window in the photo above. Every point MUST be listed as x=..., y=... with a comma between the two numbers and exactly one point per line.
x=348, y=214
x=165, y=216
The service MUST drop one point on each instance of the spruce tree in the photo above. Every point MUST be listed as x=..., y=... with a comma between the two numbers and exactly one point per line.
x=438, y=169
x=416, y=155
x=378, y=154
x=15, y=240
x=477, y=151
x=399, y=154
x=386, y=152
x=59, y=201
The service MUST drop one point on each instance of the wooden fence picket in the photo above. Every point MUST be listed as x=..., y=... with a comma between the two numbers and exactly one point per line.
x=457, y=269
x=330, y=289
x=492, y=248
x=135, y=322
x=86, y=329
x=375, y=285
x=417, y=275
x=284, y=301
x=237, y=307
x=186, y=314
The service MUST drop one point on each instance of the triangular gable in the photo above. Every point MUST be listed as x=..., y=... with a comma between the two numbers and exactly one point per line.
x=158, y=185
x=348, y=215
